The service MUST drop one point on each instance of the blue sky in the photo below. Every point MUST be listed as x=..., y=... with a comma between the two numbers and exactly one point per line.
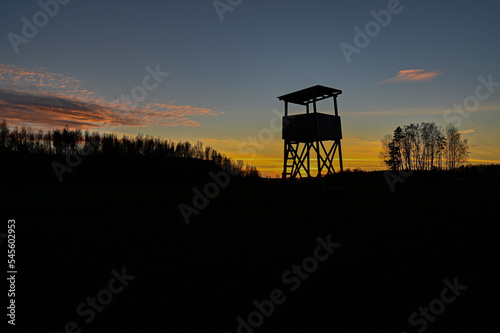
x=226, y=75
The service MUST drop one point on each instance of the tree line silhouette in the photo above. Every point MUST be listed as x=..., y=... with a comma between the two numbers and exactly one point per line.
x=64, y=141
x=424, y=146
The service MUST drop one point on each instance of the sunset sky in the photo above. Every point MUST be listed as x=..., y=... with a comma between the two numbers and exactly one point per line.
x=212, y=71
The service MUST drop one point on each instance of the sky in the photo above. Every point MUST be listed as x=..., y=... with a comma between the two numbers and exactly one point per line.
x=211, y=71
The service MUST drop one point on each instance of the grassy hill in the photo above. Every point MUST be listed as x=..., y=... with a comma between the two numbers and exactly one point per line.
x=396, y=249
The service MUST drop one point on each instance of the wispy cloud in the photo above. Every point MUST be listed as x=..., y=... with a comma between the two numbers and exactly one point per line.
x=36, y=97
x=412, y=75
x=470, y=130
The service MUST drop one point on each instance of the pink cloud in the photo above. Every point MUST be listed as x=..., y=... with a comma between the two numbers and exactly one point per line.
x=39, y=98
x=412, y=75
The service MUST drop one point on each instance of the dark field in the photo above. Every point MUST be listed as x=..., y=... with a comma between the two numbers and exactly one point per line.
x=396, y=249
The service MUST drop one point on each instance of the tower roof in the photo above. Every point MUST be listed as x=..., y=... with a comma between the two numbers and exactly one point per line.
x=309, y=95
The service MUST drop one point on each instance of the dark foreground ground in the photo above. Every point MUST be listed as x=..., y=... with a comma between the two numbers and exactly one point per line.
x=396, y=250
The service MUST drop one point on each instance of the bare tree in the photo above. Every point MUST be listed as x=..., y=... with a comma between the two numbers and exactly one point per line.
x=208, y=152
x=4, y=133
x=39, y=141
x=47, y=138
x=431, y=138
x=457, y=149
x=424, y=147
x=198, y=150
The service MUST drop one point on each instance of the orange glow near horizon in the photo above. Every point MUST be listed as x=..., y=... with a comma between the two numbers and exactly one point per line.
x=273, y=168
x=356, y=153
x=44, y=100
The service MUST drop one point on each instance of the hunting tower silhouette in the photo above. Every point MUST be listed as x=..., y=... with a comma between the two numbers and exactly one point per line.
x=308, y=132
